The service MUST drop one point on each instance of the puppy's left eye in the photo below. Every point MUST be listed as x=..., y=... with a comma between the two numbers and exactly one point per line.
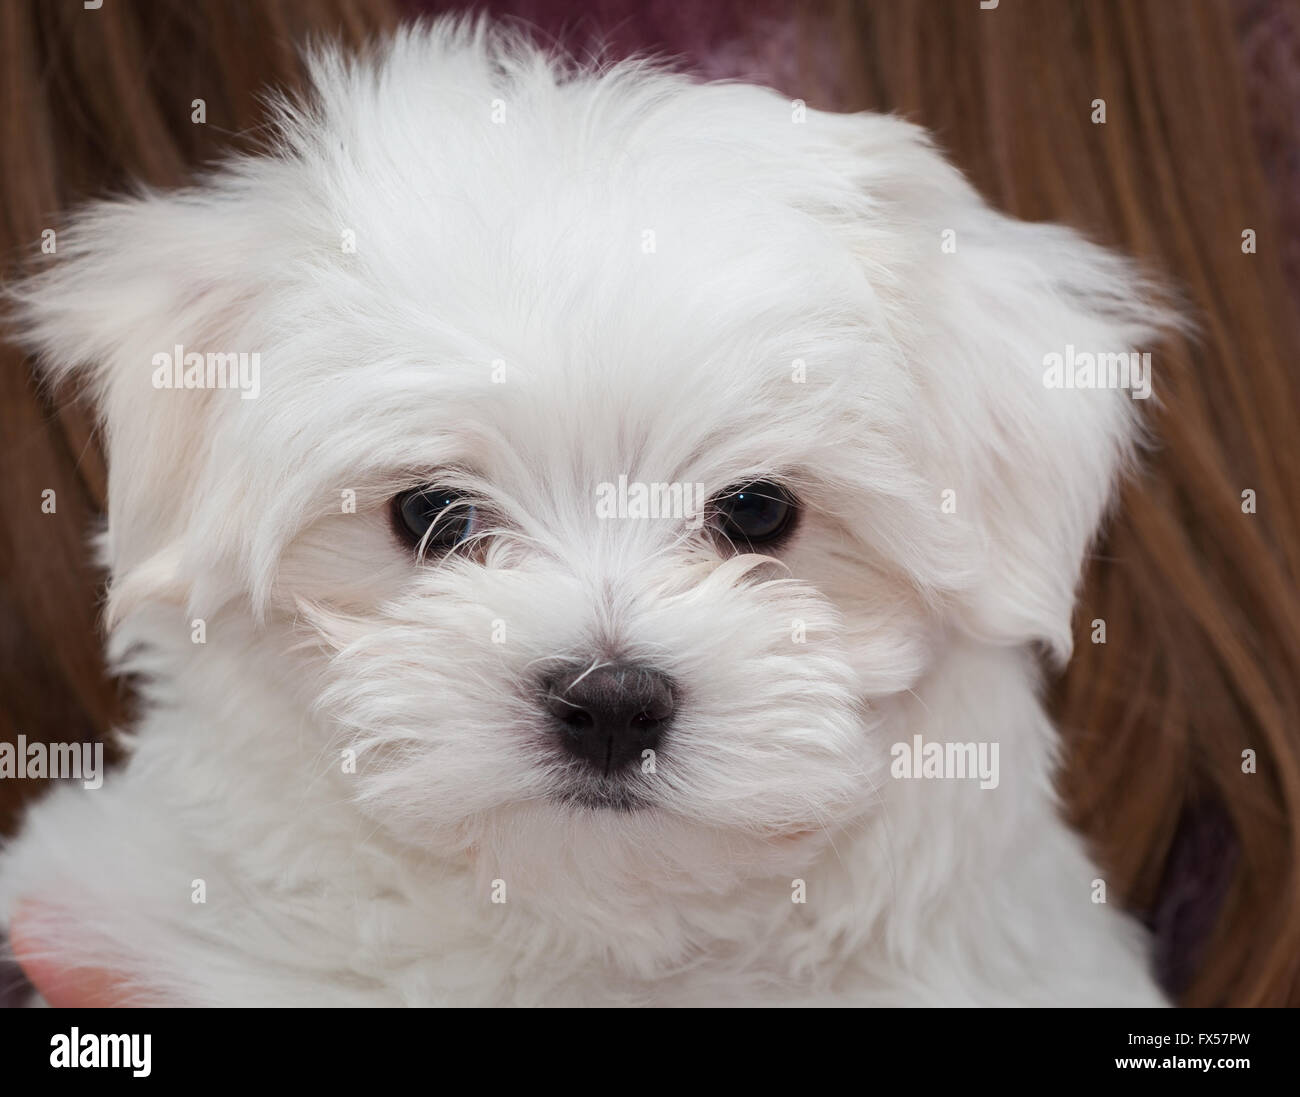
x=435, y=519
x=756, y=514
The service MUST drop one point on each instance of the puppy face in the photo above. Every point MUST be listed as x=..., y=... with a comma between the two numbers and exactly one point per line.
x=495, y=303
x=498, y=629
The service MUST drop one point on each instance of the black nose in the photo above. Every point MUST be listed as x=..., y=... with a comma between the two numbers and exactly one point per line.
x=609, y=715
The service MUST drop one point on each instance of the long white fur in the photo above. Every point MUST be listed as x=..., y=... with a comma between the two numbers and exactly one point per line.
x=500, y=201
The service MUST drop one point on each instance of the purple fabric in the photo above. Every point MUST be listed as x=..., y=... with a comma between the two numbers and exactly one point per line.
x=707, y=37
x=1196, y=880
x=1269, y=35
x=15, y=990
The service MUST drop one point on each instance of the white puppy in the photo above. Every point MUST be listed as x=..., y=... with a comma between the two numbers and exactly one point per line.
x=622, y=474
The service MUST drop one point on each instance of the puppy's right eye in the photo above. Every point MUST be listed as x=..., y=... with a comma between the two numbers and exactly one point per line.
x=434, y=519
x=761, y=513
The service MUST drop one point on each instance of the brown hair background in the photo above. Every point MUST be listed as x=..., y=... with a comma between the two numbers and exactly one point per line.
x=1202, y=659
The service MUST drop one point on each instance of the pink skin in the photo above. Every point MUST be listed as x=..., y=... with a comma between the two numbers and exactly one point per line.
x=60, y=986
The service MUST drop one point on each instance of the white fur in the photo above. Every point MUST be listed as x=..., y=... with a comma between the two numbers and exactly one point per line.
x=521, y=241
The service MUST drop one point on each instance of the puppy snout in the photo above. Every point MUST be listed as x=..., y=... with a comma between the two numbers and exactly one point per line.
x=610, y=715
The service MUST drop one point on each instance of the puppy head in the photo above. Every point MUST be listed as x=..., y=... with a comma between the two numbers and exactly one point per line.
x=617, y=446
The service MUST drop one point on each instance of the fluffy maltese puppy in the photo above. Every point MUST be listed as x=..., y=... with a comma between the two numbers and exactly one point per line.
x=586, y=537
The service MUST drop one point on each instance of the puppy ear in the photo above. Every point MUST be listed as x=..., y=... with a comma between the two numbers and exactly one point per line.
x=131, y=281
x=1050, y=345
x=1014, y=333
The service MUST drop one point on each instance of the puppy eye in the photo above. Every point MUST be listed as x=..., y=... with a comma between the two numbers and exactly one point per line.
x=435, y=519
x=756, y=514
